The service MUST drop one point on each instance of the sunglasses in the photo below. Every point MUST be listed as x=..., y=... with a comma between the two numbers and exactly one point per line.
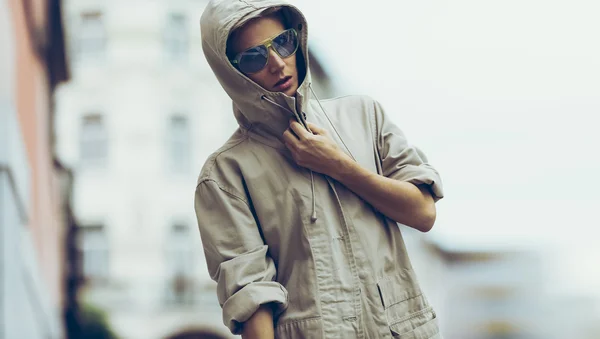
x=254, y=59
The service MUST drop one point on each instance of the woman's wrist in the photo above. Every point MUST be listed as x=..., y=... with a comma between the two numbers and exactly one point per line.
x=260, y=325
x=347, y=170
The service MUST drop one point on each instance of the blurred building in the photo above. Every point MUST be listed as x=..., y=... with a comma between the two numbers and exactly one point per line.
x=480, y=292
x=499, y=292
x=493, y=294
x=32, y=222
x=136, y=123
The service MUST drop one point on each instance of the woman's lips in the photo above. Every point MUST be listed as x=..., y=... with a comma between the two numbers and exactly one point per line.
x=283, y=84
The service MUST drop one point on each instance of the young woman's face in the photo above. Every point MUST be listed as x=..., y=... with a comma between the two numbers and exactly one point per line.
x=280, y=74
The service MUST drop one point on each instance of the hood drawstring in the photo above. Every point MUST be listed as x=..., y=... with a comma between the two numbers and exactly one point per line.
x=265, y=98
x=330, y=123
x=313, y=216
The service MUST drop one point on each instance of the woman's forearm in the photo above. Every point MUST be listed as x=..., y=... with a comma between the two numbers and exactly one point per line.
x=401, y=201
x=260, y=325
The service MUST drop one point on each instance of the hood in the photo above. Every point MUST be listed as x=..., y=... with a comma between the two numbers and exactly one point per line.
x=265, y=112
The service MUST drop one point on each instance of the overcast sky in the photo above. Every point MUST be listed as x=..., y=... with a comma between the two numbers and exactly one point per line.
x=504, y=98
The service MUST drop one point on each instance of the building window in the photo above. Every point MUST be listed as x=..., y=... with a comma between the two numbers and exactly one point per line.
x=176, y=37
x=180, y=265
x=93, y=141
x=93, y=244
x=179, y=144
x=91, y=35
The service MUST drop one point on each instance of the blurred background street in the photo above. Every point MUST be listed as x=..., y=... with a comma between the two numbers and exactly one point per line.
x=108, y=110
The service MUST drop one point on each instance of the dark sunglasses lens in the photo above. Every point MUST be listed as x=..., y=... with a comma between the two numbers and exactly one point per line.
x=253, y=60
x=286, y=43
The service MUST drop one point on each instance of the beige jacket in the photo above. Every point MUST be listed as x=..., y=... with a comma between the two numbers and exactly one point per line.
x=274, y=232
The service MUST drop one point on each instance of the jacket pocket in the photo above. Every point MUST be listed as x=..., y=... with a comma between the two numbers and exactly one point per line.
x=421, y=325
x=408, y=312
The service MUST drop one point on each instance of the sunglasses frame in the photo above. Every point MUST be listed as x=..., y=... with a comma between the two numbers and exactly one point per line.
x=267, y=44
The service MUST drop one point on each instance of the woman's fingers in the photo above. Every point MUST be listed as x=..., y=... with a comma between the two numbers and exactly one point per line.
x=316, y=129
x=299, y=130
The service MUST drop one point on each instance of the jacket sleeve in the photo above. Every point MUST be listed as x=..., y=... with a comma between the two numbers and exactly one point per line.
x=399, y=159
x=236, y=255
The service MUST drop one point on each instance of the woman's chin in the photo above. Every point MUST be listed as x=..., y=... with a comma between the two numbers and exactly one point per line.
x=291, y=91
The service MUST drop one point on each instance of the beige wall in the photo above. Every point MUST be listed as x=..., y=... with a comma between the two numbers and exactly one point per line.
x=33, y=110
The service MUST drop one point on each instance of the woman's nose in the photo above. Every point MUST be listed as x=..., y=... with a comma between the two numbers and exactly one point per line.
x=276, y=62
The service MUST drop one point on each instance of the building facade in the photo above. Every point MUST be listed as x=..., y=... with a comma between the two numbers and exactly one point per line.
x=140, y=115
x=32, y=63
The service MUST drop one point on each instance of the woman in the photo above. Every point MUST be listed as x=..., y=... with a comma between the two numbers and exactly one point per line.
x=298, y=211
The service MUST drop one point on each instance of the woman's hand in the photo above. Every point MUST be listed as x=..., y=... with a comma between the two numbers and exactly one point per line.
x=316, y=151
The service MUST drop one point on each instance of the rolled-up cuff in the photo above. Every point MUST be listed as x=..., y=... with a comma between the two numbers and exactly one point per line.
x=422, y=175
x=245, y=302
